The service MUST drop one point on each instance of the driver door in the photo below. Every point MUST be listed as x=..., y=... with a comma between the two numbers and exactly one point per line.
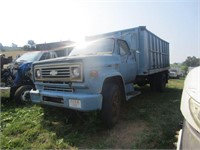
x=128, y=63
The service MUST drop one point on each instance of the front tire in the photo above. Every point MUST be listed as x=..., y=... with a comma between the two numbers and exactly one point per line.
x=112, y=96
x=22, y=94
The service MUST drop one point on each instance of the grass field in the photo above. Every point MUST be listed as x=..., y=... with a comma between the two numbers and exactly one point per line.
x=147, y=121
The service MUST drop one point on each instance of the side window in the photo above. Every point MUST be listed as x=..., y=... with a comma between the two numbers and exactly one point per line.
x=45, y=56
x=123, y=47
x=53, y=55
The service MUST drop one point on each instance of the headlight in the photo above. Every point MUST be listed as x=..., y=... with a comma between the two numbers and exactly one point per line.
x=195, y=110
x=38, y=73
x=76, y=72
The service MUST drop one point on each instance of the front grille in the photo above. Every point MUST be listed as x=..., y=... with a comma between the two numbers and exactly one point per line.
x=57, y=72
x=50, y=88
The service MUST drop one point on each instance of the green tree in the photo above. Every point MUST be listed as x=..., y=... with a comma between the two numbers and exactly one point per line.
x=192, y=62
x=175, y=65
x=31, y=44
x=26, y=47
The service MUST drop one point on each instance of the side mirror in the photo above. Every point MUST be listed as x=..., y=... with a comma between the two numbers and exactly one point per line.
x=135, y=53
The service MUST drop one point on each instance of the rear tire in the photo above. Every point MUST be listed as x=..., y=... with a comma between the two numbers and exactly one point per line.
x=22, y=94
x=111, y=104
x=141, y=84
x=161, y=82
x=153, y=83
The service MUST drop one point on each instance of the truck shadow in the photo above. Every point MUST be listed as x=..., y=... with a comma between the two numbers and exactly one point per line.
x=69, y=124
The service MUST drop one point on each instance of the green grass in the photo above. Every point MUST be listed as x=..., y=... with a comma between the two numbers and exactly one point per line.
x=163, y=116
x=31, y=126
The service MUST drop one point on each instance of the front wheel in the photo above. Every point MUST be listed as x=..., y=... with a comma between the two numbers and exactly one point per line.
x=22, y=94
x=111, y=104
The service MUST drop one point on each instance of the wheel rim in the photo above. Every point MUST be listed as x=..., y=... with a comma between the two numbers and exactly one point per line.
x=25, y=96
x=116, y=106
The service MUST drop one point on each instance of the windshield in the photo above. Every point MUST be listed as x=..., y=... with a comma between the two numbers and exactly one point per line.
x=30, y=56
x=104, y=46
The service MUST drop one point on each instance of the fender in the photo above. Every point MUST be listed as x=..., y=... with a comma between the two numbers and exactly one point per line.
x=96, y=81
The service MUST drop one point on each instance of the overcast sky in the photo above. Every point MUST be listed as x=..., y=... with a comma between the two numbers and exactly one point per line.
x=176, y=21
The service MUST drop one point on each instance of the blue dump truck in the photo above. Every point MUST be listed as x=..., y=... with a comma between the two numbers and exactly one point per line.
x=102, y=73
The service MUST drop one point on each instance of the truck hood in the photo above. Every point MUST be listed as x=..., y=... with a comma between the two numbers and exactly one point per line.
x=91, y=59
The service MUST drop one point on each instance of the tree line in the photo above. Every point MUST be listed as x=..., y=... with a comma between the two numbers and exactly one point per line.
x=191, y=61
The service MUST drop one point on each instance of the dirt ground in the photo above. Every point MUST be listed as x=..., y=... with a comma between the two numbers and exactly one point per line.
x=123, y=135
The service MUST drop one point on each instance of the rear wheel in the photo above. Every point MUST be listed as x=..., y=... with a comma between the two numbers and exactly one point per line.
x=161, y=82
x=141, y=84
x=22, y=94
x=153, y=83
x=111, y=104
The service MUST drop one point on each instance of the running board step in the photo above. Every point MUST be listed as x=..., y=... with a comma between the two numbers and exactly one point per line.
x=132, y=94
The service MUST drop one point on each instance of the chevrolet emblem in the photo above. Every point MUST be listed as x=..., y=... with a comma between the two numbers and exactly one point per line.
x=53, y=72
